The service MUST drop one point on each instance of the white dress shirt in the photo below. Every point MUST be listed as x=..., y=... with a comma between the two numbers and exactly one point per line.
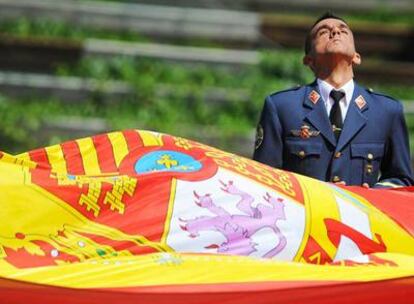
x=325, y=89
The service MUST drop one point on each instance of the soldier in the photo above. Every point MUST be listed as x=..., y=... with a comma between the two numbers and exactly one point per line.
x=333, y=129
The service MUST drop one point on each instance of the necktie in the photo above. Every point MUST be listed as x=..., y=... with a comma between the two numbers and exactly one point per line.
x=335, y=116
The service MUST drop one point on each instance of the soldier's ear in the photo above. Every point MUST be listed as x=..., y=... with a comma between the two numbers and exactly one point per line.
x=308, y=60
x=356, y=59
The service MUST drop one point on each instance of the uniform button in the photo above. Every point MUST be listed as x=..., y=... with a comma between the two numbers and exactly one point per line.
x=338, y=154
x=336, y=179
x=369, y=170
x=302, y=154
x=370, y=156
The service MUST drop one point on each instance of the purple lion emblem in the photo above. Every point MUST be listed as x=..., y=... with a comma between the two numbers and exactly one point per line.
x=238, y=229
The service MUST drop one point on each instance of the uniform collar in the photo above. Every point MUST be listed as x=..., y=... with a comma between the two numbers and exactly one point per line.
x=325, y=89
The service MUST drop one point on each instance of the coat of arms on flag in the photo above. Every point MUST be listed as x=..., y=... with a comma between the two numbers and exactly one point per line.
x=142, y=216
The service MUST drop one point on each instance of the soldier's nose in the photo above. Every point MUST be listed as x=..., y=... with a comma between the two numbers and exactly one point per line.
x=335, y=31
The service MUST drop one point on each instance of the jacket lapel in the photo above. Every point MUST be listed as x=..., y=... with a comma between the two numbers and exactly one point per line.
x=355, y=120
x=317, y=115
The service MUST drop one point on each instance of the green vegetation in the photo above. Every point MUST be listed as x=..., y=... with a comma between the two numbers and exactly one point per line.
x=23, y=27
x=169, y=97
x=379, y=14
x=382, y=15
x=176, y=112
x=182, y=111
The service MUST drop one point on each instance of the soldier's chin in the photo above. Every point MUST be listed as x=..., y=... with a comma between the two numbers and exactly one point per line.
x=335, y=48
x=339, y=51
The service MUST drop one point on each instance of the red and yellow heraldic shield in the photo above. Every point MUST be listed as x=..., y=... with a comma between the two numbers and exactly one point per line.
x=141, y=216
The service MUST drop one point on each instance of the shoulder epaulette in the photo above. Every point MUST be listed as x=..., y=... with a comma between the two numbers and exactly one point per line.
x=372, y=92
x=295, y=88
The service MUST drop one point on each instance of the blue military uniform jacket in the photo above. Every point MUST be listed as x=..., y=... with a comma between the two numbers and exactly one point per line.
x=295, y=134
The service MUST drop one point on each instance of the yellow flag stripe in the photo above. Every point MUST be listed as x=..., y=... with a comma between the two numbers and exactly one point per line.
x=89, y=156
x=319, y=210
x=56, y=159
x=150, y=138
x=178, y=269
x=24, y=160
x=119, y=146
x=169, y=213
x=24, y=156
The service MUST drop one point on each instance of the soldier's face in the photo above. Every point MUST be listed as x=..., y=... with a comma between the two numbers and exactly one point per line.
x=332, y=36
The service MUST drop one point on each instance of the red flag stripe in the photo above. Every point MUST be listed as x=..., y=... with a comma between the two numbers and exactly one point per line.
x=133, y=139
x=381, y=292
x=40, y=157
x=73, y=158
x=105, y=153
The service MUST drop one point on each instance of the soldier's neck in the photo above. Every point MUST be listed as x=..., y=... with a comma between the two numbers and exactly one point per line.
x=336, y=74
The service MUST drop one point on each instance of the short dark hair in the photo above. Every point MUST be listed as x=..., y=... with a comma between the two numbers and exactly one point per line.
x=326, y=15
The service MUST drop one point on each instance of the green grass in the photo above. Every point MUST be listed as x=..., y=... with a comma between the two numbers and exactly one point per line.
x=382, y=15
x=45, y=28
x=377, y=14
x=180, y=113
x=176, y=113
x=23, y=27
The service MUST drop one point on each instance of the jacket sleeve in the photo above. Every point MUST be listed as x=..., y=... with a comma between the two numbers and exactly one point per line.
x=269, y=144
x=396, y=165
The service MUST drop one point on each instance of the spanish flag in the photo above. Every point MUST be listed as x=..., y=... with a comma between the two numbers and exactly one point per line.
x=143, y=217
